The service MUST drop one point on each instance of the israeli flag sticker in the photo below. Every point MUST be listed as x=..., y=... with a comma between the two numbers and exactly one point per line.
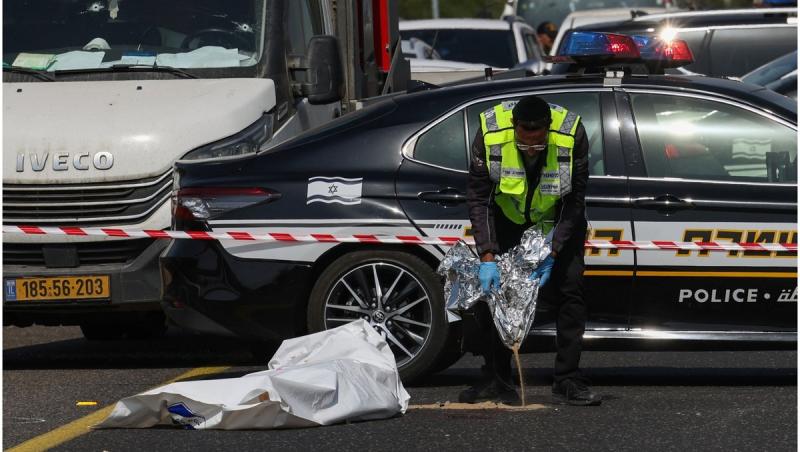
x=11, y=290
x=338, y=190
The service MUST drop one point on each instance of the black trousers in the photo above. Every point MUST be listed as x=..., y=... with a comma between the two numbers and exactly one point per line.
x=564, y=292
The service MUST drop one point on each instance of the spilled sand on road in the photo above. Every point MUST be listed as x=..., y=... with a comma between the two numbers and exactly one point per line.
x=476, y=406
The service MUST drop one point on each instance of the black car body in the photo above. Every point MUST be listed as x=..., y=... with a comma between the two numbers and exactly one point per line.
x=679, y=158
x=724, y=42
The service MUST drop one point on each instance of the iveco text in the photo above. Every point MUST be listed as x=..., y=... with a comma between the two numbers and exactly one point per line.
x=80, y=161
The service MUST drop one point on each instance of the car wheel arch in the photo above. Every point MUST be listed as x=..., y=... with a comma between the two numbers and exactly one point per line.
x=336, y=252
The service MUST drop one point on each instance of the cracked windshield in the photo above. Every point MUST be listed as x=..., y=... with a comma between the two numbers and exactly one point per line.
x=58, y=35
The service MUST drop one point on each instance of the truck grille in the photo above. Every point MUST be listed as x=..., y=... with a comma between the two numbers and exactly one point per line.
x=88, y=253
x=114, y=203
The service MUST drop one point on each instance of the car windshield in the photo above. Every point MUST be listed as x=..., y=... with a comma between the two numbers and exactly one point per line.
x=773, y=70
x=490, y=47
x=58, y=35
x=538, y=11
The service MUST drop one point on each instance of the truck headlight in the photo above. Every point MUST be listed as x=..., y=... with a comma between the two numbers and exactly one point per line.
x=248, y=141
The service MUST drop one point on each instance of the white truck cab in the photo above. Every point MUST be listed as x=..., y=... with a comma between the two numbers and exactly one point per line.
x=100, y=99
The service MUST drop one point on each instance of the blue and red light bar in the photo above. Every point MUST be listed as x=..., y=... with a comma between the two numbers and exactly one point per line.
x=590, y=47
x=580, y=44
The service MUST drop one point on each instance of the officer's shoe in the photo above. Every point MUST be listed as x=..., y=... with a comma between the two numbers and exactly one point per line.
x=483, y=390
x=506, y=393
x=573, y=391
x=490, y=389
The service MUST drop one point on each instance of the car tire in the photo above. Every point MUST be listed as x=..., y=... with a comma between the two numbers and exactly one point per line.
x=416, y=299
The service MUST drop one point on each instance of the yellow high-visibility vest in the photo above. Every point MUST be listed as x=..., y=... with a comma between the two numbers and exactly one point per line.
x=507, y=169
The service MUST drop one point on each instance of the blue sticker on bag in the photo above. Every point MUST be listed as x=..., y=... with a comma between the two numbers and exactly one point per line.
x=182, y=415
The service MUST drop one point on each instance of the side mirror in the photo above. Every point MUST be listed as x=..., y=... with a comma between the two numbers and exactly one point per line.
x=325, y=73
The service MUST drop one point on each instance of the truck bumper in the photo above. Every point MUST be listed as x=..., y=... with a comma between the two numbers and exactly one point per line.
x=135, y=287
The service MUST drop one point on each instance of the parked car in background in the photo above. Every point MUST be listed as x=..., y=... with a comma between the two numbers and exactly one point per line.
x=492, y=42
x=537, y=11
x=724, y=42
x=586, y=17
x=440, y=72
x=428, y=66
x=415, y=48
x=779, y=75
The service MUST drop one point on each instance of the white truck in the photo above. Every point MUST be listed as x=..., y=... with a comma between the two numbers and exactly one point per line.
x=100, y=99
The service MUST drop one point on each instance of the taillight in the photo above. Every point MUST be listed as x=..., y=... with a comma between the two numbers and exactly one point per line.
x=201, y=204
x=666, y=53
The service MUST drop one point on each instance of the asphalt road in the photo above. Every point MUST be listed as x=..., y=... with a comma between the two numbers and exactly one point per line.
x=653, y=400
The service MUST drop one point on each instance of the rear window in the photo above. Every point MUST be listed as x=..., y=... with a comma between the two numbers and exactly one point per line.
x=737, y=51
x=492, y=47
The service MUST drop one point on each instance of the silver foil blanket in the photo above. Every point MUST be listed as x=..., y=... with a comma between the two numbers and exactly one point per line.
x=514, y=304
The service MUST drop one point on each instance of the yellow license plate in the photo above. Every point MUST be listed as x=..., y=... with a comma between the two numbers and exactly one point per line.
x=58, y=288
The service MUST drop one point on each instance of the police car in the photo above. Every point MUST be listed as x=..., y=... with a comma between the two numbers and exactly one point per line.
x=675, y=158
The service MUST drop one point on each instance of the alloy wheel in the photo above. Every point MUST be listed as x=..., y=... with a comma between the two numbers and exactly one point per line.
x=391, y=299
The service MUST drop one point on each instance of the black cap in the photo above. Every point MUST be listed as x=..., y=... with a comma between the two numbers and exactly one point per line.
x=547, y=28
x=532, y=113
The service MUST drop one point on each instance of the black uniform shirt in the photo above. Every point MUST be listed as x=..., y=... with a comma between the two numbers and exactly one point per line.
x=570, y=211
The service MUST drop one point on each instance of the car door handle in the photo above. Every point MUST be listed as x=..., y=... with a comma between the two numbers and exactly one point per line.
x=663, y=202
x=445, y=196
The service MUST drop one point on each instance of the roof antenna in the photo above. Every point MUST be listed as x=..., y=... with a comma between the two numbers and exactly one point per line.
x=487, y=74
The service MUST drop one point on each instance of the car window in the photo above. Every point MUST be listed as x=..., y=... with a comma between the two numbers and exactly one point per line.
x=307, y=23
x=693, y=138
x=736, y=52
x=587, y=105
x=532, y=49
x=444, y=144
x=490, y=47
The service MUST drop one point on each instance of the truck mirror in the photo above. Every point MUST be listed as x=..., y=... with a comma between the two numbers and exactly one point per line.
x=325, y=79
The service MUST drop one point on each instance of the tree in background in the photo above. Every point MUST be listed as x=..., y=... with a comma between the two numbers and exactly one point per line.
x=421, y=9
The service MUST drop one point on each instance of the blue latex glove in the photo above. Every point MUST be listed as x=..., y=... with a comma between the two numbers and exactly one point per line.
x=542, y=272
x=489, y=275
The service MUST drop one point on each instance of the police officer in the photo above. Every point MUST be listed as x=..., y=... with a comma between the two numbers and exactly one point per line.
x=529, y=167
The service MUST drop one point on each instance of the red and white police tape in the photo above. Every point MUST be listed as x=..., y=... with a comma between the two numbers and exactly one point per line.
x=387, y=239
